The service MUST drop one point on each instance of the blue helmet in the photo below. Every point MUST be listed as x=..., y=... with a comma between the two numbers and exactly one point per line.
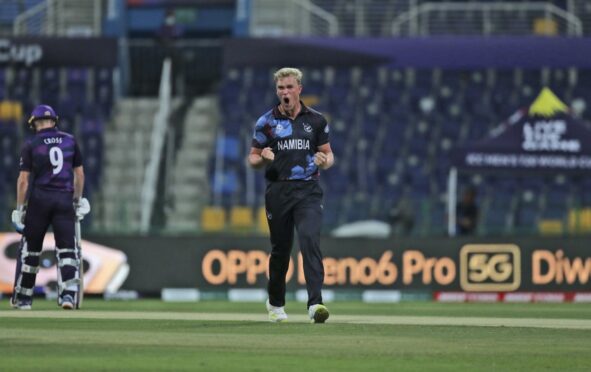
x=42, y=112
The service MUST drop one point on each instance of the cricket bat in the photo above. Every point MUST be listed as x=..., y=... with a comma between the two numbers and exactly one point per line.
x=81, y=265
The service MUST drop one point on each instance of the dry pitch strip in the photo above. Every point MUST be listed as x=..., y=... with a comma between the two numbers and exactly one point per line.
x=334, y=319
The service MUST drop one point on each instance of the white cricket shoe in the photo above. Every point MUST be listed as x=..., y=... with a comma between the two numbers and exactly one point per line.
x=276, y=313
x=318, y=313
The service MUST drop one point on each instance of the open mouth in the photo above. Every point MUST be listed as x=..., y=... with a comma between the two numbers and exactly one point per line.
x=286, y=100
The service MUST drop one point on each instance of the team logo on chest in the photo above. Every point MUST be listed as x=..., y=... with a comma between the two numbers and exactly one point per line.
x=282, y=129
x=307, y=127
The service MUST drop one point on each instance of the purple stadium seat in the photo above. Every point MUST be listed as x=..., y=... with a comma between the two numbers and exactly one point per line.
x=92, y=125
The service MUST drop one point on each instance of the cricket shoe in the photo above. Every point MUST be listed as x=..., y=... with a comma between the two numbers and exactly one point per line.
x=276, y=313
x=67, y=302
x=318, y=313
x=22, y=303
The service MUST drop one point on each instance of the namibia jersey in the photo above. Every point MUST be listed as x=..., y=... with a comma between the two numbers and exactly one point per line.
x=294, y=143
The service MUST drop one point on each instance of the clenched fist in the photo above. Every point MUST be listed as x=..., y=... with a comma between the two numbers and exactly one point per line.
x=268, y=154
x=320, y=158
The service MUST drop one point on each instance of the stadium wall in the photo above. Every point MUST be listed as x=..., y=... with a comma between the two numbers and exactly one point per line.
x=424, y=52
x=57, y=52
x=462, y=264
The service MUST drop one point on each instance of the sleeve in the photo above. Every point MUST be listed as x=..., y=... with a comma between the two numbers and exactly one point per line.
x=259, y=137
x=25, y=162
x=77, y=161
x=322, y=135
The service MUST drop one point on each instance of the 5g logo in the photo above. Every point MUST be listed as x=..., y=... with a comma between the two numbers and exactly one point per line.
x=490, y=267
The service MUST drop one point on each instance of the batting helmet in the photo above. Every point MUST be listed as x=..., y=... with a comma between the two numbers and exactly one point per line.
x=42, y=112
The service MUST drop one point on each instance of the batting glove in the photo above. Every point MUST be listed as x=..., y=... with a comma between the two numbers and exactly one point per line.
x=18, y=219
x=82, y=208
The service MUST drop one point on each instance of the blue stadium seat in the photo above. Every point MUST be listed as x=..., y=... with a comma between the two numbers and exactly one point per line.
x=230, y=99
x=92, y=170
x=557, y=195
x=32, y=3
x=526, y=219
x=103, y=89
x=92, y=125
x=336, y=180
x=66, y=107
x=358, y=208
x=227, y=183
x=3, y=84
x=554, y=212
x=451, y=79
x=438, y=218
x=468, y=104
x=450, y=128
x=76, y=85
x=9, y=151
x=8, y=11
x=230, y=147
x=50, y=86
x=332, y=210
x=67, y=124
x=494, y=220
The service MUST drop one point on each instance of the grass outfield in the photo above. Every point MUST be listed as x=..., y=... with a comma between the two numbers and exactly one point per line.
x=215, y=335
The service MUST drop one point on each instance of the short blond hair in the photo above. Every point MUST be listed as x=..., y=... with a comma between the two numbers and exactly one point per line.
x=288, y=71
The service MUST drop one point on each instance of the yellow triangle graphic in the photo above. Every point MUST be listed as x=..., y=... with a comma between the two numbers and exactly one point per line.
x=547, y=104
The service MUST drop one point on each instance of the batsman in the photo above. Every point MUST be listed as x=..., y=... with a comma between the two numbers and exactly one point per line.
x=49, y=193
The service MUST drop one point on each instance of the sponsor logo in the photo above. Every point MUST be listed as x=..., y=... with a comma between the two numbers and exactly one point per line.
x=281, y=129
x=235, y=266
x=490, y=267
x=550, y=267
x=477, y=159
x=547, y=136
x=250, y=267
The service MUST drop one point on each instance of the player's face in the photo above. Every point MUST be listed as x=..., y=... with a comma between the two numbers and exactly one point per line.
x=288, y=92
x=43, y=124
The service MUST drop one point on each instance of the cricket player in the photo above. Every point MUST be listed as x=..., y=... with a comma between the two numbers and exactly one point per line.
x=291, y=142
x=49, y=192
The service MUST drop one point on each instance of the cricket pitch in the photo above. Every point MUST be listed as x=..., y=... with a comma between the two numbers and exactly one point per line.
x=337, y=319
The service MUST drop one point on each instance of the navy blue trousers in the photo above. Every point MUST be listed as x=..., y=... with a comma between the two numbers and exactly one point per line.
x=289, y=205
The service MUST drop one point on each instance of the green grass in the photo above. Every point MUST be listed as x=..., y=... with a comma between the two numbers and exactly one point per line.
x=502, y=310
x=116, y=344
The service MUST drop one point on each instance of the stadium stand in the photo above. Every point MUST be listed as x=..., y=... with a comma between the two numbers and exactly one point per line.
x=22, y=88
x=387, y=152
x=405, y=154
